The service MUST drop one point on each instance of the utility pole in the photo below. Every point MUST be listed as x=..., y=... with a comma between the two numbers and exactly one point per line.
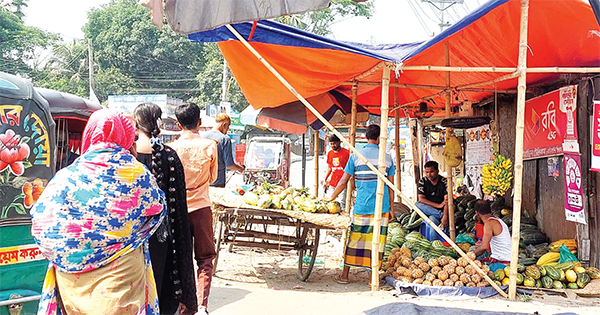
x=225, y=83
x=91, y=67
x=442, y=6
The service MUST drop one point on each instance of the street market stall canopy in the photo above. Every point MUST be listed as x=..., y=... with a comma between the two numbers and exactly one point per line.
x=294, y=117
x=65, y=105
x=562, y=34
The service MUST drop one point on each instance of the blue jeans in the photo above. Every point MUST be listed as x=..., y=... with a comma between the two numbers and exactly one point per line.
x=435, y=215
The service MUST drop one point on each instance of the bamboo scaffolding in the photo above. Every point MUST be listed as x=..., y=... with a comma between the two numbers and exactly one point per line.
x=361, y=157
x=503, y=69
x=489, y=82
x=316, y=149
x=520, y=126
x=369, y=72
x=449, y=178
x=433, y=87
x=381, y=163
x=397, y=144
x=352, y=136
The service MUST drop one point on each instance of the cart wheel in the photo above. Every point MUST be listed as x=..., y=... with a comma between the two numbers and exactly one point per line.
x=219, y=236
x=307, y=246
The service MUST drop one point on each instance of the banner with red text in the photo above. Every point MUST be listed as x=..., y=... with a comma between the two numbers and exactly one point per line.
x=596, y=138
x=550, y=124
x=574, y=200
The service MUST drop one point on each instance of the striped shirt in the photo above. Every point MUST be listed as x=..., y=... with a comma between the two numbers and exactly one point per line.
x=366, y=180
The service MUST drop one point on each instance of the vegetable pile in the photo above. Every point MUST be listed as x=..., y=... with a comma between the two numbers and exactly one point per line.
x=268, y=196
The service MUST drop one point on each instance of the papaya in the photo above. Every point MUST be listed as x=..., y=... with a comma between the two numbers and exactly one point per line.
x=529, y=282
x=547, y=282
x=594, y=273
x=572, y=285
x=562, y=276
x=566, y=265
x=552, y=272
x=520, y=279
x=557, y=285
x=533, y=272
x=571, y=275
x=499, y=275
x=583, y=279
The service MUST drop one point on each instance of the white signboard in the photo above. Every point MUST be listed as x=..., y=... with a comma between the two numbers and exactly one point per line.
x=479, y=151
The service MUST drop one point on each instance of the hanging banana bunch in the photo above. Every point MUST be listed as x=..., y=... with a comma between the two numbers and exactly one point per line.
x=497, y=177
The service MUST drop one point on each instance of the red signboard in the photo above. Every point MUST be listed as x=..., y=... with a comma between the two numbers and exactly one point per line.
x=596, y=138
x=550, y=124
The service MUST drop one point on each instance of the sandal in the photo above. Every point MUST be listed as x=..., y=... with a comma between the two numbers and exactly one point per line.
x=339, y=280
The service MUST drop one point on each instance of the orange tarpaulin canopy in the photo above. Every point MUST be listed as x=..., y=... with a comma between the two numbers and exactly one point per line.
x=561, y=34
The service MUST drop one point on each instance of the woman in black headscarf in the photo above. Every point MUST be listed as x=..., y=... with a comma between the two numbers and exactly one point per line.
x=171, y=245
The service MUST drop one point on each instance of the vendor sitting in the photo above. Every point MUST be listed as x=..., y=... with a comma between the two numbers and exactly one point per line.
x=496, y=237
x=432, y=197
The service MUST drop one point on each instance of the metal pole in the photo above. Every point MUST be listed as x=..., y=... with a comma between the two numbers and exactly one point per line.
x=516, y=232
x=381, y=165
x=91, y=66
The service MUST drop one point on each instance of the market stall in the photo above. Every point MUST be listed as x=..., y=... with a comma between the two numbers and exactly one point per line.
x=478, y=51
x=270, y=217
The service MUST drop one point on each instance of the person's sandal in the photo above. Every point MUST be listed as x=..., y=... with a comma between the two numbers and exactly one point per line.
x=339, y=280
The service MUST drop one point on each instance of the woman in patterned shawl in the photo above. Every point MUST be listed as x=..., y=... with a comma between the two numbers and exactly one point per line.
x=92, y=222
x=171, y=245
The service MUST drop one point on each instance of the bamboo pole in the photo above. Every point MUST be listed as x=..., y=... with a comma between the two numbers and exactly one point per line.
x=380, y=175
x=398, y=160
x=350, y=187
x=316, y=149
x=418, y=101
x=520, y=126
x=381, y=163
x=370, y=71
x=437, y=87
x=449, y=178
x=352, y=136
x=503, y=69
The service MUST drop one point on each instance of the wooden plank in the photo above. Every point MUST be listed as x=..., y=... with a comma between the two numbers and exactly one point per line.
x=265, y=245
x=551, y=203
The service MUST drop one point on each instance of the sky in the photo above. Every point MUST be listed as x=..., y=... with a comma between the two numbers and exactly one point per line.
x=394, y=21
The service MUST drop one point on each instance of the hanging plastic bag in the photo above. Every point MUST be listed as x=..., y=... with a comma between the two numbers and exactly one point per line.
x=464, y=238
x=566, y=255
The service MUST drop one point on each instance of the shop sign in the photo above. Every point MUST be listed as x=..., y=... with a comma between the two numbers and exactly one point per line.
x=479, y=150
x=596, y=138
x=574, y=209
x=20, y=254
x=550, y=124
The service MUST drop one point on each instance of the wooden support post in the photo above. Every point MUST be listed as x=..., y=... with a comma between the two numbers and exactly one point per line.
x=398, y=160
x=352, y=136
x=316, y=148
x=381, y=186
x=450, y=178
x=520, y=126
x=380, y=175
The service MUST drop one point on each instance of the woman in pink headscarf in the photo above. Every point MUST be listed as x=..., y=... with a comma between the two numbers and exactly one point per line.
x=92, y=222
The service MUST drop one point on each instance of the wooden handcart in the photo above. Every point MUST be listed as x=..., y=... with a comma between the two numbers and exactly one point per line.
x=238, y=224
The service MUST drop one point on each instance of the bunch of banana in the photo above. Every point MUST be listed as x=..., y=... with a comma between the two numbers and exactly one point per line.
x=497, y=177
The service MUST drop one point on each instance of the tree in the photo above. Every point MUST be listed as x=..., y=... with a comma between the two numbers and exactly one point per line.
x=158, y=61
x=19, y=44
x=319, y=22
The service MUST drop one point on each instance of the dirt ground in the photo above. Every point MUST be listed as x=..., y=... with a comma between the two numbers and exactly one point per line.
x=257, y=281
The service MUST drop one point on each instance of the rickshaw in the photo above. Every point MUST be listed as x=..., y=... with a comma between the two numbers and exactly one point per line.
x=30, y=120
x=267, y=159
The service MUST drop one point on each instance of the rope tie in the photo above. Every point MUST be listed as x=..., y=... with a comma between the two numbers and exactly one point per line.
x=528, y=47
